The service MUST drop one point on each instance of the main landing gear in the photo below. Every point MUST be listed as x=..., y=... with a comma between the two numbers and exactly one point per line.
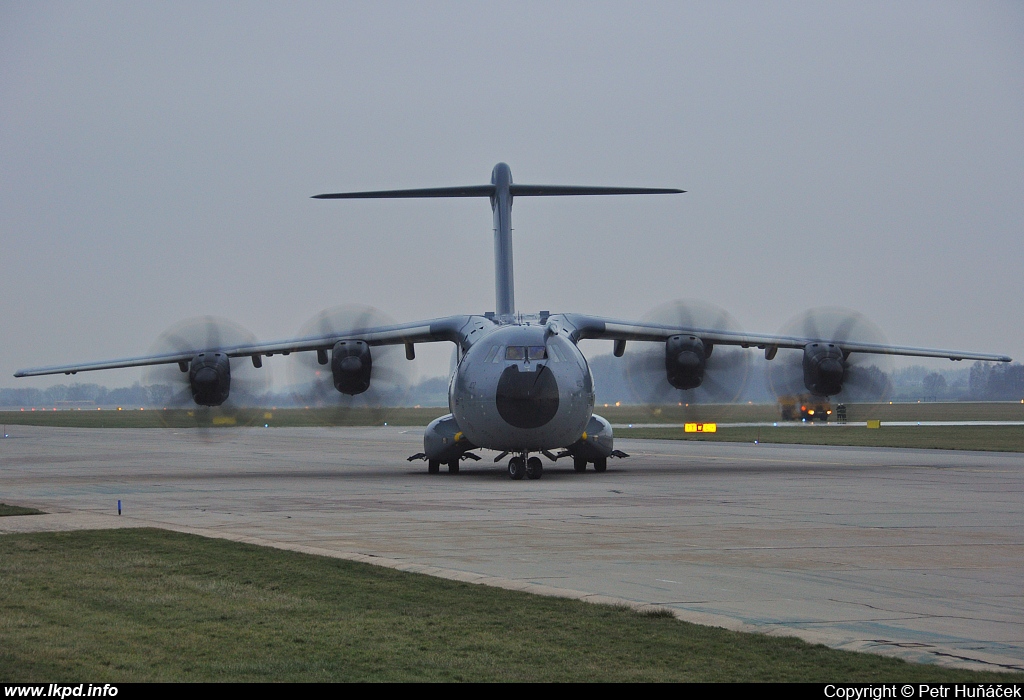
x=521, y=466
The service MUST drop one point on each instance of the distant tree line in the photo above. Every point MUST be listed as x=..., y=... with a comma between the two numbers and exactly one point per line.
x=996, y=382
x=982, y=381
x=429, y=392
x=78, y=394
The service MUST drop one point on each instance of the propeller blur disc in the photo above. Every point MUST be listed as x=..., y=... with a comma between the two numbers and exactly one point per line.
x=391, y=374
x=867, y=377
x=169, y=386
x=726, y=372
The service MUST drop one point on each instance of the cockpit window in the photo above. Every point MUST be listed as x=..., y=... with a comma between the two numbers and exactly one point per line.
x=526, y=352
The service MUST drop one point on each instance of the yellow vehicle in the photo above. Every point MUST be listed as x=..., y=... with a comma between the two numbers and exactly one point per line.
x=805, y=407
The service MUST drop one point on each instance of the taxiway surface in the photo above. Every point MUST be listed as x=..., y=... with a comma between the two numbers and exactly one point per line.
x=916, y=553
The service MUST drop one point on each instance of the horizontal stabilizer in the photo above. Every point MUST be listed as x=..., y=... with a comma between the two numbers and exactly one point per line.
x=468, y=191
x=488, y=191
x=562, y=190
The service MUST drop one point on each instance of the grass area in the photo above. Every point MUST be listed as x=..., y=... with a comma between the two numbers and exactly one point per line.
x=17, y=510
x=150, y=605
x=856, y=412
x=999, y=438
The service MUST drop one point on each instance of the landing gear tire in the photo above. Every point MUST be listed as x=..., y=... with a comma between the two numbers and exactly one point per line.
x=453, y=466
x=534, y=468
x=579, y=464
x=600, y=464
x=433, y=467
x=516, y=469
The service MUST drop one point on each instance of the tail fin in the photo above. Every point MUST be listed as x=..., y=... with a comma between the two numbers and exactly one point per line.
x=501, y=191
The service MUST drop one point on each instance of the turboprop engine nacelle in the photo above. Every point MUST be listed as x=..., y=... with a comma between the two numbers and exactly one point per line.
x=824, y=368
x=685, y=360
x=351, y=365
x=209, y=377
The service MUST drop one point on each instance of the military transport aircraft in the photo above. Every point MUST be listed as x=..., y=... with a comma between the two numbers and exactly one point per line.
x=521, y=384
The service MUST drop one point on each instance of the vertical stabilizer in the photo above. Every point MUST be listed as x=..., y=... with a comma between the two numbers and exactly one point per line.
x=501, y=206
x=500, y=191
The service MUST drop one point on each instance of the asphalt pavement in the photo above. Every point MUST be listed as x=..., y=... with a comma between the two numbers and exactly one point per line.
x=912, y=553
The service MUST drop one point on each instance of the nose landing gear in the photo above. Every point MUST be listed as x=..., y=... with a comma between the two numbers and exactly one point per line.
x=521, y=465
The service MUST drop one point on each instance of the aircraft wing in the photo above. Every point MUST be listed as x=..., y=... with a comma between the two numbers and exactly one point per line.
x=581, y=327
x=451, y=328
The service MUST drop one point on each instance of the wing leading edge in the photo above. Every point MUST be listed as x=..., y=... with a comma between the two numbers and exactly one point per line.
x=596, y=327
x=431, y=331
x=454, y=329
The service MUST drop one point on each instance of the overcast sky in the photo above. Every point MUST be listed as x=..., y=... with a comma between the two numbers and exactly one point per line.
x=157, y=159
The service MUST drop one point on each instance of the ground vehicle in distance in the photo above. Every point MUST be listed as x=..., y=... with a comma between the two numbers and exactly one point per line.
x=805, y=407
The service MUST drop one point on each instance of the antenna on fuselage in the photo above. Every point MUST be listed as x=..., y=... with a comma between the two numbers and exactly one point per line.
x=501, y=192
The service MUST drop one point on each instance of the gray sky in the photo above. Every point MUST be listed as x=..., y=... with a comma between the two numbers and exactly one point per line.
x=156, y=163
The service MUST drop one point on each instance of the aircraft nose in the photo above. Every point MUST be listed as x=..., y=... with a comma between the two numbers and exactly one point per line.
x=527, y=399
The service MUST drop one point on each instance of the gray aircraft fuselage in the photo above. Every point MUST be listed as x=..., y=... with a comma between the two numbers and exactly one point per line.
x=521, y=384
x=522, y=387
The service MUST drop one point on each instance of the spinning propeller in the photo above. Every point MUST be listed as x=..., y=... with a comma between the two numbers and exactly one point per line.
x=821, y=368
x=725, y=369
x=211, y=389
x=351, y=376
